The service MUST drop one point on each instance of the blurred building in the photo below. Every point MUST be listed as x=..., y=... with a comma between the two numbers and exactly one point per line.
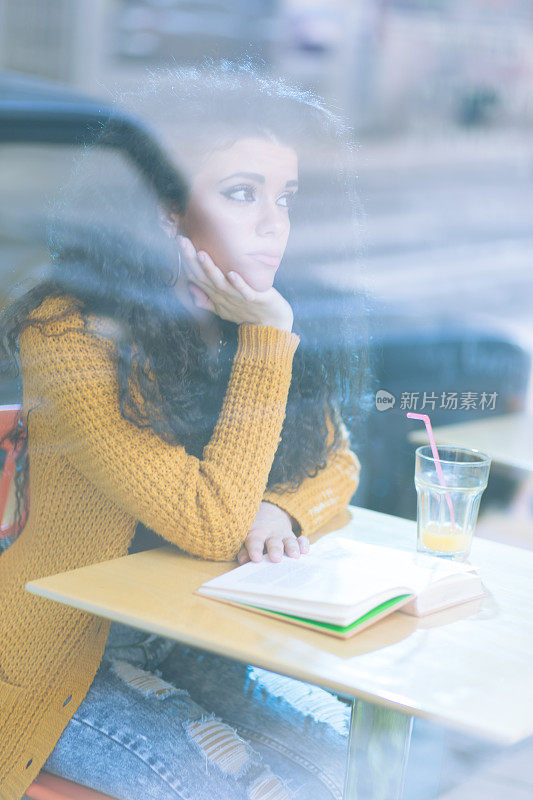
x=66, y=40
x=461, y=61
x=404, y=64
x=390, y=65
x=162, y=30
x=95, y=43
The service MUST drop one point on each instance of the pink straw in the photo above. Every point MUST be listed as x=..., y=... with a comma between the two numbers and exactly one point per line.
x=425, y=419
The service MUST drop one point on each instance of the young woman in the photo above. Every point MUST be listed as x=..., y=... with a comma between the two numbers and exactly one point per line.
x=164, y=387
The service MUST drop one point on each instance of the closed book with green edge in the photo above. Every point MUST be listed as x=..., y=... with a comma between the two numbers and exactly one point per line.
x=343, y=585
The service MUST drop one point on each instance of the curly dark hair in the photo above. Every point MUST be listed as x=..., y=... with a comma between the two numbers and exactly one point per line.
x=108, y=251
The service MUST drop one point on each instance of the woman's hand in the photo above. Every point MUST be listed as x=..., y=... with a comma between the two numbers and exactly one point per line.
x=229, y=296
x=272, y=530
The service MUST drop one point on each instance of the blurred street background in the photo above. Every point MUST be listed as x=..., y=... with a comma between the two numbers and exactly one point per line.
x=439, y=94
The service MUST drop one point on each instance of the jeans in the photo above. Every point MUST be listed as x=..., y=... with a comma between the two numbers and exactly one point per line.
x=164, y=721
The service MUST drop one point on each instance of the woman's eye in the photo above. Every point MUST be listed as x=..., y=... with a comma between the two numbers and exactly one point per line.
x=289, y=198
x=247, y=194
x=248, y=191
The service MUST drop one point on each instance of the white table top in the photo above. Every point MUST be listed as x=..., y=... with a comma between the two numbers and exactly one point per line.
x=507, y=439
x=468, y=667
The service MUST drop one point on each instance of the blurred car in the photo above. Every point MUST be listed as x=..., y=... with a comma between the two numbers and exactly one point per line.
x=43, y=126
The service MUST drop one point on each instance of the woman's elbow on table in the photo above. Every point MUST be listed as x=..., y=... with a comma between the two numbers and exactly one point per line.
x=212, y=546
x=215, y=539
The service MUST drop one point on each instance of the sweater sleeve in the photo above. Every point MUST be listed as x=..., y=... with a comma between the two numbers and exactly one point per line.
x=319, y=499
x=204, y=506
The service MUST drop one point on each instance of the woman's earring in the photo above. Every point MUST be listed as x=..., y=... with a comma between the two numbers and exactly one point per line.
x=178, y=269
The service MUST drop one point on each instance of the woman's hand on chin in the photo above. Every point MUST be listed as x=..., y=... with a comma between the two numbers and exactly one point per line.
x=272, y=533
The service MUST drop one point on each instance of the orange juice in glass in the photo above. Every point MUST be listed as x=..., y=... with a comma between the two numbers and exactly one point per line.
x=465, y=475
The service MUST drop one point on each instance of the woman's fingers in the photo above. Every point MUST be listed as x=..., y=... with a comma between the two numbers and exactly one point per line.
x=202, y=267
x=291, y=546
x=213, y=273
x=201, y=299
x=231, y=285
x=206, y=273
x=258, y=541
x=255, y=544
x=274, y=548
x=242, y=555
x=191, y=263
x=240, y=284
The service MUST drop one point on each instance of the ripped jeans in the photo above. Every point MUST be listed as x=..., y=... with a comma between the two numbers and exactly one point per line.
x=164, y=721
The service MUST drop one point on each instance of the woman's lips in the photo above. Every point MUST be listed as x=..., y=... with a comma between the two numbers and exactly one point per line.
x=270, y=261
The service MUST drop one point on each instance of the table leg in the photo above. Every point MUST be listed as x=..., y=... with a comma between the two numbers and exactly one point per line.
x=378, y=749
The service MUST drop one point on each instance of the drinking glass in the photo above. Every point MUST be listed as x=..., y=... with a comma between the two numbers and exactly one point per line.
x=466, y=474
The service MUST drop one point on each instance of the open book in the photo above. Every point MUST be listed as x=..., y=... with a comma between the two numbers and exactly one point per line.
x=342, y=585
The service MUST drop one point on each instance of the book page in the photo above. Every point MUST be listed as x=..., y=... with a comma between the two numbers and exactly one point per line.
x=312, y=579
x=446, y=592
x=337, y=572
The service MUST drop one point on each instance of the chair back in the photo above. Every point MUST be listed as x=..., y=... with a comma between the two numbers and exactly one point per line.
x=9, y=530
x=51, y=787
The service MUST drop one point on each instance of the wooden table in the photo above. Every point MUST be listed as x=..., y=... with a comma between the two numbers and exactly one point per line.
x=507, y=439
x=468, y=668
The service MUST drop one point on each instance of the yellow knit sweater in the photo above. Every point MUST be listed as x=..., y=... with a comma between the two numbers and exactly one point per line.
x=93, y=475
